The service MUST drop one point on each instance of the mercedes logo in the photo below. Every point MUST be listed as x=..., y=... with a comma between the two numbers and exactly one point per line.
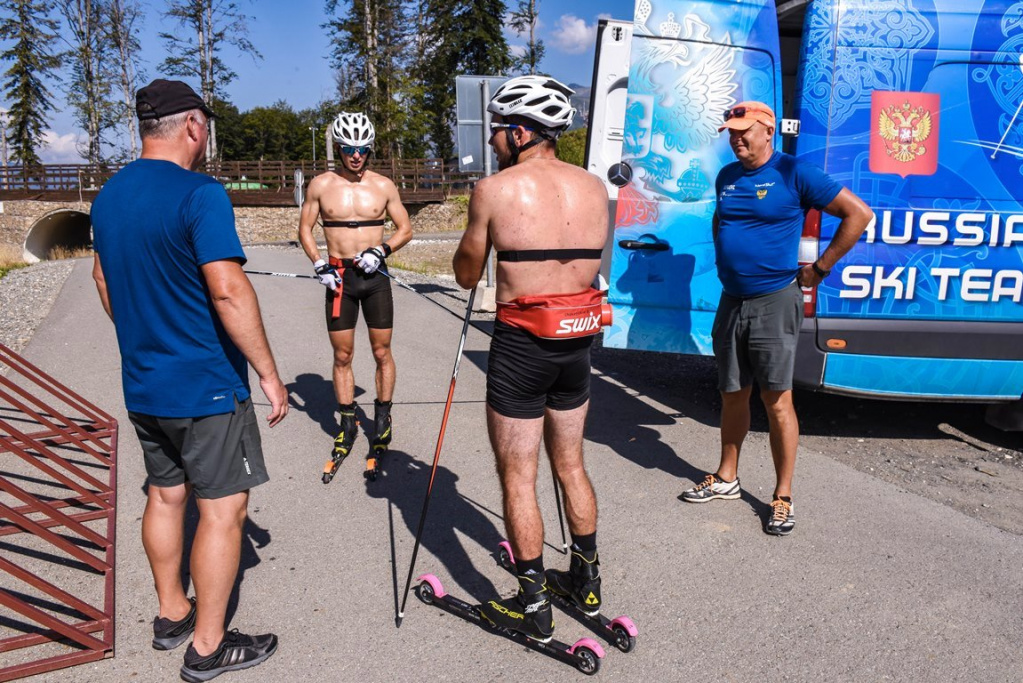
x=619, y=174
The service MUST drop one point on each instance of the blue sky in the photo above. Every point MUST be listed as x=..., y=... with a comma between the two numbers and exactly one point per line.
x=294, y=67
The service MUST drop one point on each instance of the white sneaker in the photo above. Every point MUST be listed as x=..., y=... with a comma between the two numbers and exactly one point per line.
x=711, y=488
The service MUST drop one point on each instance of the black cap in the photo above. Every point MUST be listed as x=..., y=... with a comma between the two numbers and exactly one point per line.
x=163, y=98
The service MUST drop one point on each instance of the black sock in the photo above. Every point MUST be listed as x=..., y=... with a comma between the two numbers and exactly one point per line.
x=586, y=543
x=787, y=499
x=530, y=573
x=347, y=407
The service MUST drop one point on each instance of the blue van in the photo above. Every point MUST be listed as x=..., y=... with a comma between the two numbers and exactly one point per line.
x=914, y=105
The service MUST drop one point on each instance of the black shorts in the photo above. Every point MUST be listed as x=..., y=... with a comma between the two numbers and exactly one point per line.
x=525, y=374
x=756, y=338
x=219, y=455
x=374, y=293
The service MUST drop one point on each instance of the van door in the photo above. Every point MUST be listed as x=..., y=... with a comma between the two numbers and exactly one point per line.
x=690, y=62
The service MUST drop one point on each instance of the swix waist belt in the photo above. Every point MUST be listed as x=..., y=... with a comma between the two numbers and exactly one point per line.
x=353, y=224
x=340, y=264
x=557, y=316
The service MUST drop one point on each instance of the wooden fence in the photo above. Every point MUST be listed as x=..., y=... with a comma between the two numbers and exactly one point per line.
x=249, y=183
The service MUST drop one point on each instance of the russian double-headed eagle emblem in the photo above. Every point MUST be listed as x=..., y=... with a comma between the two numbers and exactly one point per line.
x=904, y=129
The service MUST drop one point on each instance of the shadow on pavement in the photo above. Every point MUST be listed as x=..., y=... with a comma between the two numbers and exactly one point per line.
x=688, y=386
x=403, y=483
x=314, y=395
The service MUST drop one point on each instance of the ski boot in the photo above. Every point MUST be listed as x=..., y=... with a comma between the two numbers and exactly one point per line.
x=382, y=423
x=528, y=614
x=344, y=441
x=580, y=584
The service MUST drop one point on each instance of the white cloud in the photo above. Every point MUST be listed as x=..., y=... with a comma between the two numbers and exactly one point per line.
x=573, y=35
x=60, y=149
x=517, y=51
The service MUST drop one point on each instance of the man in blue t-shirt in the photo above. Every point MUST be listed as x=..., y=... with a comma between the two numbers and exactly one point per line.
x=762, y=200
x=168, y=268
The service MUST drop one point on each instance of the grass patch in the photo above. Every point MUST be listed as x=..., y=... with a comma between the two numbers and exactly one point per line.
x=10, y=259
x=61, y=252
x=425, y=259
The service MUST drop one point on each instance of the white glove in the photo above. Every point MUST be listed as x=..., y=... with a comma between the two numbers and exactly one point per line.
x=370, y=260
x=327, y=273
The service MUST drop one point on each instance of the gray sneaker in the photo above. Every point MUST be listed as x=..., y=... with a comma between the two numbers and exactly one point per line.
x=783, y=518
x=711, y=488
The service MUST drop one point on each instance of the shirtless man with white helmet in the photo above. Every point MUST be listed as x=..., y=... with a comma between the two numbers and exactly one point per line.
x=548, y=222
x=352, y=202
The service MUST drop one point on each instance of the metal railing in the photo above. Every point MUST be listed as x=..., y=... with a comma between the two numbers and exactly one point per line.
x=58, y=477
x=247, y=182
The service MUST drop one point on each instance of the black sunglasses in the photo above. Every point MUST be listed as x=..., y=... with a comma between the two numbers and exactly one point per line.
x=740, y=112
x=350, y=150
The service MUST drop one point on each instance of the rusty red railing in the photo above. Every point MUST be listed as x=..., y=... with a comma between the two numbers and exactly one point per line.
x=58, y=477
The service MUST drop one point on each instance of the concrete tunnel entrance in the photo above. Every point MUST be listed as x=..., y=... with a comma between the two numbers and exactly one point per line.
x=66, y=229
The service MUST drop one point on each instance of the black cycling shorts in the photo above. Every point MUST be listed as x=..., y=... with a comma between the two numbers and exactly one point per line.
x=372, y=291
x=526, y=374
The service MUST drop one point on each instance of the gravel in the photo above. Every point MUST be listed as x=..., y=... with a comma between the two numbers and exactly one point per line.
x=26, y=296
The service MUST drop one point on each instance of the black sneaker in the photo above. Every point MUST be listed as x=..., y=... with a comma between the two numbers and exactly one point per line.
x=580, y=584
x=530, y=615
x=168, y=634
x=236, y=651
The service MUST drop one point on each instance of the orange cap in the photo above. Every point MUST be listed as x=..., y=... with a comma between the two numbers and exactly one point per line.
x=743, y=115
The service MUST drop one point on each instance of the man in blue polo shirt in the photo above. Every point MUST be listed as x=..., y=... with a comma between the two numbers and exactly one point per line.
x=168, y=268
x=762, y=200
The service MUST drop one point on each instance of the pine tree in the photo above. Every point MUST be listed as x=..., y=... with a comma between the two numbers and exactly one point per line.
x=90, y=87
x=123, y=26
x=524, y=20
x=468, y=39
x=29, y=24
x=214, y=24
x=483, y=49
x=375, y=51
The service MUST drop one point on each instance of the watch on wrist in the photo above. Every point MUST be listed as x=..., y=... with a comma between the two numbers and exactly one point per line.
x=821, y=273
x=386, y=248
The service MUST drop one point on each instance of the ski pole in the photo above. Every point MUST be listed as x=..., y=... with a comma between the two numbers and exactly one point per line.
x=436, y=453
x=295, y=275
x=561, y=517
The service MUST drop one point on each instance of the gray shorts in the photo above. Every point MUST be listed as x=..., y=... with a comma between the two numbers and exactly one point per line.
x=756, y=338
x=219, y=455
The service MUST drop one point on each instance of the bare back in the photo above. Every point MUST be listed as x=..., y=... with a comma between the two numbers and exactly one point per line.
x=544, y=204
x=334, y=198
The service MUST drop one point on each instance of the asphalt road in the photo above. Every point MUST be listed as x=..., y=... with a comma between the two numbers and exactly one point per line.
x=876, y=583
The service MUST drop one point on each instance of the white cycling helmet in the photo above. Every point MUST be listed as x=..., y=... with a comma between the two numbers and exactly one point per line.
x=353, y=129
x=538, y=98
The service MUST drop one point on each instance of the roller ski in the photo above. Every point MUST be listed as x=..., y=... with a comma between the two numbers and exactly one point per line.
x=506, y=617
x=577, y=593
x=343, y=442
x=381, y=438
